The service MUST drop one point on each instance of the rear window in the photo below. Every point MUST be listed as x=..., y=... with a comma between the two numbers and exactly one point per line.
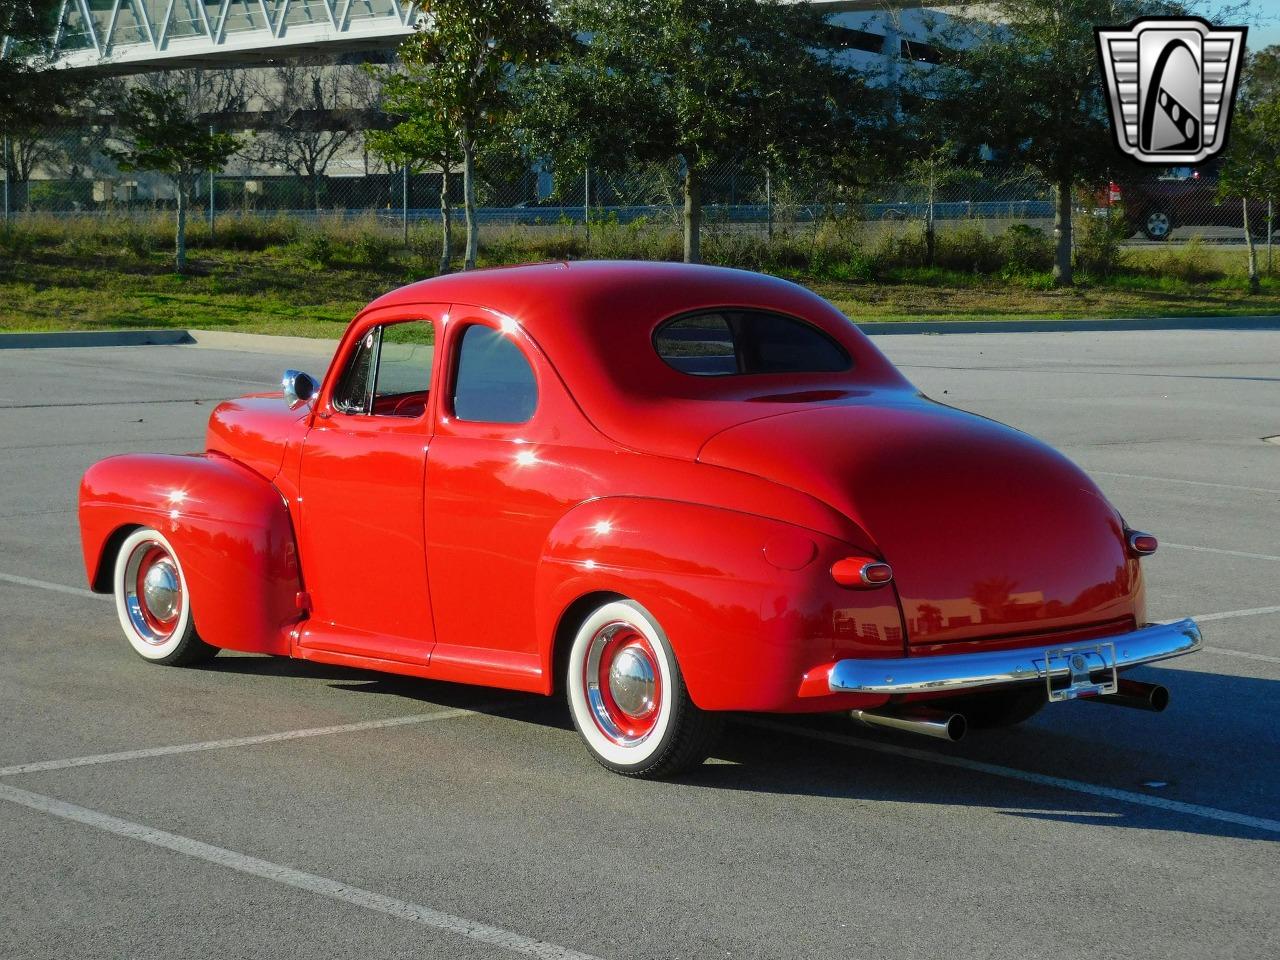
x=725, y=342
x=494, y=382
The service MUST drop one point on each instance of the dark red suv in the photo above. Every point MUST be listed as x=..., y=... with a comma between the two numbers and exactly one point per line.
x=1157, y=203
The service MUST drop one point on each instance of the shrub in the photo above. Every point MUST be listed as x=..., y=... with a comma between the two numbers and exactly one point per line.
x=1025, y=249
x=374, y=251
x=968, y=248
x=137, y=240
x=425, y=244
x=895, y=249
x=60, y=195
x=16, y=243
x=253, y=233
x=1191, y=264
x=1097, y=243
x=317, y=249
x=533, y=244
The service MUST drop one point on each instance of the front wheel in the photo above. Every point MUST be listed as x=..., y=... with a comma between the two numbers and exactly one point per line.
x=628, y=699
x=153, y=603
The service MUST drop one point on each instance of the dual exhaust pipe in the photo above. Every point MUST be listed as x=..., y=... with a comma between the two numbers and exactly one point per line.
x=945, y=725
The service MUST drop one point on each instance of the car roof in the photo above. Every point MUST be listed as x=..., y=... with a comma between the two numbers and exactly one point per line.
x=513, y=290
x=595, y=320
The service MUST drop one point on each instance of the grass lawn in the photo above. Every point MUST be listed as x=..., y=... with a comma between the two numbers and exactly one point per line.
x=282, y=289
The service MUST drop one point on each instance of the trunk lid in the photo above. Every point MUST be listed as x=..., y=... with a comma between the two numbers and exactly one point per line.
x=990, y=533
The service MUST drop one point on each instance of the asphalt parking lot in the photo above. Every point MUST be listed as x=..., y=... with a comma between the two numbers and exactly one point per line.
x=321, y=812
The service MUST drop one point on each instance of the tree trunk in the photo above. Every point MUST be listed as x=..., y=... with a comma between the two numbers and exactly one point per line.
x=1271, y=228
x=469, y=200
x=692, y=215
x=768, y=203
x=1255, y=285
x=180, y=233
x=446, y=221
x=930, y=231
x=1062, y=276
x=404, y=206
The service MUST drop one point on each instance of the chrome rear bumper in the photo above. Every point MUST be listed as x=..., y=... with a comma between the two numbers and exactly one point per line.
x=990, y=668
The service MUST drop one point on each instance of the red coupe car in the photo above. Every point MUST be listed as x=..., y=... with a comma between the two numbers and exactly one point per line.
x=663, y=491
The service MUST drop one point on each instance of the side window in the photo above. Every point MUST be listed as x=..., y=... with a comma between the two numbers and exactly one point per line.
x=389, y=373
x=494, y=382
x=404, y=370
x=352, y=393
x=702, y=345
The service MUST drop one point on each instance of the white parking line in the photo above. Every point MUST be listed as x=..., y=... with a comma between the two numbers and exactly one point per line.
x=277, y=873
x=1192, y=483
x=1041, y=779
x=92, y=760
x=56, y=587
x=1241, y=653
x=1232, y=614
x=1229, y=553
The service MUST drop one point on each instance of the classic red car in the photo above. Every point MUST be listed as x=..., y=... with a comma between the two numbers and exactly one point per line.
x=664, y=491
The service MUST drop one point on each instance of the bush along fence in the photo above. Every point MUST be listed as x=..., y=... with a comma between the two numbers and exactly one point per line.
x=71, y=175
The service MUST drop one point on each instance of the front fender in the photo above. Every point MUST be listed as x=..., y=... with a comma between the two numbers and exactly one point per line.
x=231, y=530
x=747, y=602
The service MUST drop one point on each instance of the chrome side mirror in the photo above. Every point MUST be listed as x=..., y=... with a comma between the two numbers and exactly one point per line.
x=299, y=388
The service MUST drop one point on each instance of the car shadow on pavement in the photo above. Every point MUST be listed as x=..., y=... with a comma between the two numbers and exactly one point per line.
x=435, y=692
x=1216, y=746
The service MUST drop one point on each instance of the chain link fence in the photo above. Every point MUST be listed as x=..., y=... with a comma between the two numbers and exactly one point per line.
x=69, y=175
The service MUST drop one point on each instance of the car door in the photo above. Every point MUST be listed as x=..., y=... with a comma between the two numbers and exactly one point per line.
x=362, y=494
x=504, y=467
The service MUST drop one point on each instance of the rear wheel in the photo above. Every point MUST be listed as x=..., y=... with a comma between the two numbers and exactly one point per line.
x=153, y=604
x=628, y=699
x=1002, y=708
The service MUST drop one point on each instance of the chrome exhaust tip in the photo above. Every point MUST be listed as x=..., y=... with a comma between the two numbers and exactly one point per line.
x=1137, y=695
x=927, y=722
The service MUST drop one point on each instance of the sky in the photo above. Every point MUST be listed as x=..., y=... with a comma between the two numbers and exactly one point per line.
x=1264, y=36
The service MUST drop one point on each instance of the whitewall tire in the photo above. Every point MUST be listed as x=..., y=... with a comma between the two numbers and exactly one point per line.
x=153, y=603
x=627, y=696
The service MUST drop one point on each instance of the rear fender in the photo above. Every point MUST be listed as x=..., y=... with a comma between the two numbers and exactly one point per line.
x=231, y=530
x=745, y=628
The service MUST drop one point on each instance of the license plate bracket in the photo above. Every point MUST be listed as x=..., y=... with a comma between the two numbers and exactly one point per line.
x=1082, y=662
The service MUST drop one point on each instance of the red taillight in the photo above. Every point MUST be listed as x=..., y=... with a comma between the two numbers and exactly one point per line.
x=861, y=572
x=1113, y=190
x=1142, y=544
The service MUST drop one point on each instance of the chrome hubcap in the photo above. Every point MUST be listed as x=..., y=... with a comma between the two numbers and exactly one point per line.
x=631, y=682
x=153, y=595
x=160, y=590
x=623, y=684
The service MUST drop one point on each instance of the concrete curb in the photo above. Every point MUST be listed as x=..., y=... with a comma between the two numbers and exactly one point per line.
x=262, y=343
x=93, y=338
x=890, y=327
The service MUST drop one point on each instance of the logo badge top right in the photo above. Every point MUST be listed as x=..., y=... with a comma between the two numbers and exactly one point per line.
x=1171, y=84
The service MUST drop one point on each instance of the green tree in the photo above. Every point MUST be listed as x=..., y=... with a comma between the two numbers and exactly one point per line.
x=420, y=139
x=692, y=83
x=27, y=86
x=30, y=92
x=163, y=136
x=1023, y=80
x=1251, y=168
x=465, y=54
